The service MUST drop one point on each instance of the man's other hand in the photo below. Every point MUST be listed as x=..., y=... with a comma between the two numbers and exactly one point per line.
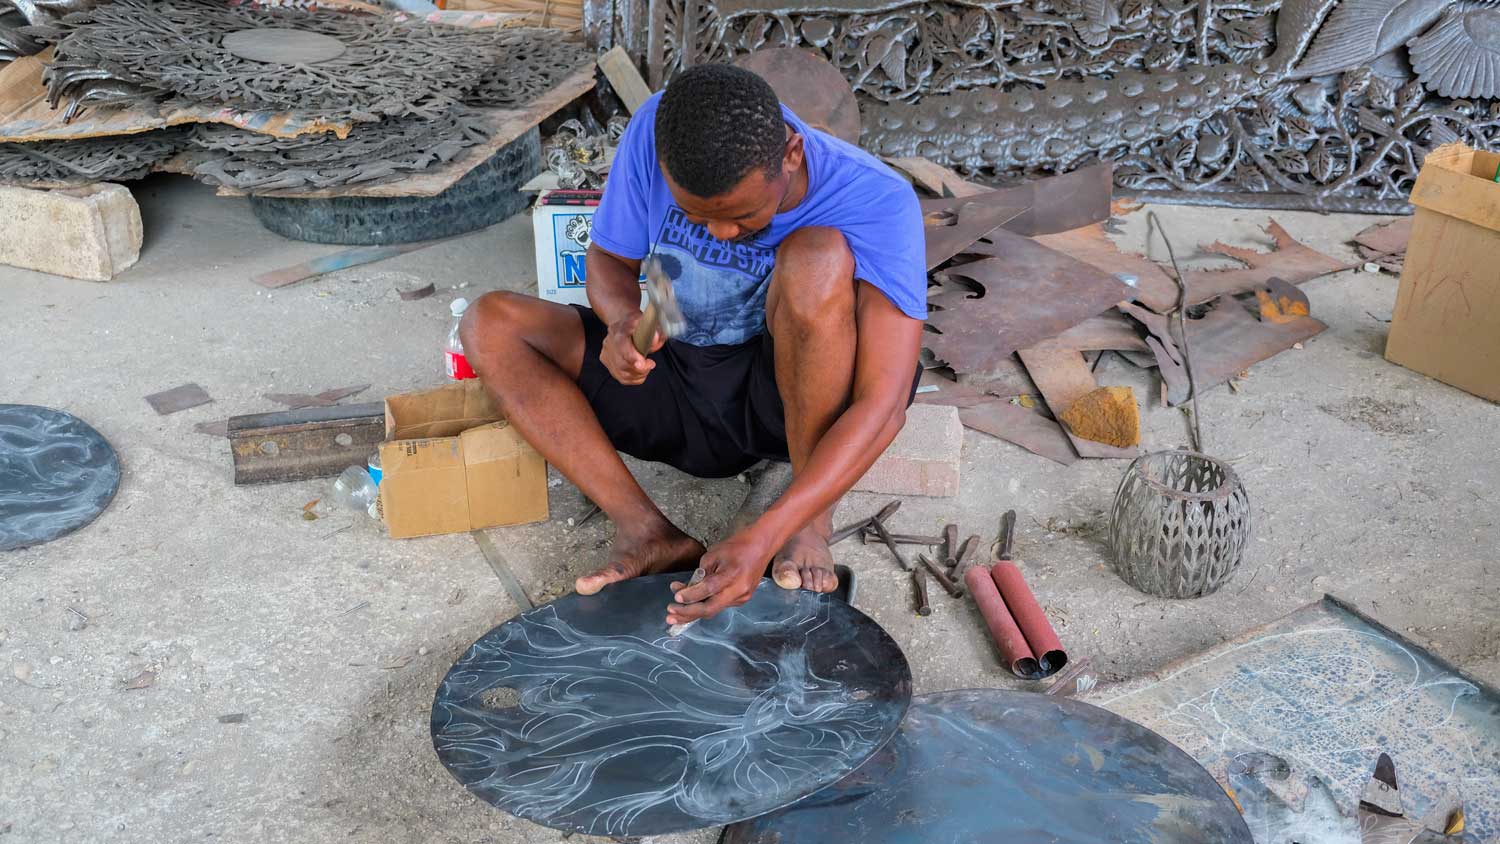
x=734, y=569
x=619, y=354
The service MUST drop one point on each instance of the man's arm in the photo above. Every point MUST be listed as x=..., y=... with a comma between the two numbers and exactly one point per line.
x=883, y=371
x=615, y=295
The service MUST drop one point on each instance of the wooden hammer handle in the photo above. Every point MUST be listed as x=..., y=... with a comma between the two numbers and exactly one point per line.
x=645, y=330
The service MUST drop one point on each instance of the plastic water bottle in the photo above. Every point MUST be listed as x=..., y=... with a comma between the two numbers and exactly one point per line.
x=356, y=490
x=453, y=352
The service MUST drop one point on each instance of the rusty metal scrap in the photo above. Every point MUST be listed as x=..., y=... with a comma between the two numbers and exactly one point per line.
x=1227, y=339
x=1026, y=428
x=811, y=87
x=1288, y=259
x=988, y=308
x=110, y=159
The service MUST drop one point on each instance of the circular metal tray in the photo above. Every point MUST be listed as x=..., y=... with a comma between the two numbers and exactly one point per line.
x=984, y=766
x=57, y=474
x=586, y=715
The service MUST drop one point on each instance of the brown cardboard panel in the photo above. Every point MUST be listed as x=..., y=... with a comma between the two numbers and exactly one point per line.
x=1459, y=182
x=1447, y=318
x=444, y=412
x=423, y=487
x=506, y=477
x=454, y=465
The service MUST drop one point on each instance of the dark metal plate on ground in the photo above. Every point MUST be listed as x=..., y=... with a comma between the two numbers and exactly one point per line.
x=1327, y=690
x=57, y=474
x=983, y=766
x=585, y=715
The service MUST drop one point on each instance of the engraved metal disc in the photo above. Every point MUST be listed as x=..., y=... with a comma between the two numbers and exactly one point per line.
x=57, y=474
x=283, y=46
x=586, y=715
x=983, y=766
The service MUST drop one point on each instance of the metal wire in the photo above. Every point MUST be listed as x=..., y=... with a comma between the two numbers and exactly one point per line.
x=1153, y=224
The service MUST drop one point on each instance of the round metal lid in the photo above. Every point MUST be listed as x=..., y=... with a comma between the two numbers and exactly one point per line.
x=57, y=474
x=810, y=86
x=985, y=765
x=586, y=715
x=276, y=45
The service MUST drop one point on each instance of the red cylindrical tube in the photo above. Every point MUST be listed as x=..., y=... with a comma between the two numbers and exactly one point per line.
x=1035, y=626
x=1003, y=629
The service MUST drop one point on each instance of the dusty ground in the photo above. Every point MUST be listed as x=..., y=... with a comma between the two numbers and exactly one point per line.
x=295, y=660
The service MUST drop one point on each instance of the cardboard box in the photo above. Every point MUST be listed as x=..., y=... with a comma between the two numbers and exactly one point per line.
x=451, y=463
x=1447, y=318
x=562, y=242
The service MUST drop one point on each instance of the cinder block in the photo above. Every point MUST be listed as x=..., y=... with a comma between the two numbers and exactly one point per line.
x=92, y=232
x=924, y=458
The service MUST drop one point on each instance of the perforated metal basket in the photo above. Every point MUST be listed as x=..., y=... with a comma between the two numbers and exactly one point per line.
x=1179, y=524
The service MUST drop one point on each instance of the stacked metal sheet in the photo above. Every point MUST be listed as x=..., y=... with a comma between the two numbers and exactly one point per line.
x=411, y=89
x=111, y=159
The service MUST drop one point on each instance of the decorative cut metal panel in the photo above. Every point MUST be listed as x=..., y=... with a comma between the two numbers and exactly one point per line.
x=1179, y=524
x=373, y=152
x=78, y=162
x=134, y=50
x=1266, y=103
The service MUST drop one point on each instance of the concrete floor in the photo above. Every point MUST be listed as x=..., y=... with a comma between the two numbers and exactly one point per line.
x=1368, y=481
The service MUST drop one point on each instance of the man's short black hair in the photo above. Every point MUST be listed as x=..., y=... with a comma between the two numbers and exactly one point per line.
x=714, y=125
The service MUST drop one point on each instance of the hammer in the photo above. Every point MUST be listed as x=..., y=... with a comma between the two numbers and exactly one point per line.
x=661, y=314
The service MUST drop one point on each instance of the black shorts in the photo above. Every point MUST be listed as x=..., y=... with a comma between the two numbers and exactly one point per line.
x=711, y=411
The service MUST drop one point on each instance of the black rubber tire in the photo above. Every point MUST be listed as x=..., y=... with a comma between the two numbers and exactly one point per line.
x=484, y=196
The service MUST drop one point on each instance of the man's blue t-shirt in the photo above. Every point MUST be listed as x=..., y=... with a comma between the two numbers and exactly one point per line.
x=721, y=285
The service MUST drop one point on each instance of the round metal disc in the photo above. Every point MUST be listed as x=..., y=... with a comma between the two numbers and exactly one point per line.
x=811, y=87
x=57, y=474
x=283, y=46
x=985, y=766
x=587, y=715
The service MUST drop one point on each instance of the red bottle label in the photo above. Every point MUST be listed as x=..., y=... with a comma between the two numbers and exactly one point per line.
x=458, y=366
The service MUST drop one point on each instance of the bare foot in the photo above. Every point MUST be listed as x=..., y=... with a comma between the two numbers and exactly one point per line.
x=805, y=562
x=648, y=552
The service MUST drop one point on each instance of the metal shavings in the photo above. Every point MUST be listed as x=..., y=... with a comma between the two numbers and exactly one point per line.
x=377, y=152
x=535, y=61
x=76, y=162
x=164, y=48
x=580, y=159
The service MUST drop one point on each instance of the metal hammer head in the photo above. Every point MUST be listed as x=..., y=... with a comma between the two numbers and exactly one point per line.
x=670, y=321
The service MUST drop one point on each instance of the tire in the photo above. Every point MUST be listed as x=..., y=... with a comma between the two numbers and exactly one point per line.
x=484, y=196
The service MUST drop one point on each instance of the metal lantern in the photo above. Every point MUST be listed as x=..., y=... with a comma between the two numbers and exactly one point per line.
x=1179, y=524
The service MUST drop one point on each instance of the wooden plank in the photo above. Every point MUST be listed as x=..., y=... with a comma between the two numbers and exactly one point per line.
x=935, y=178
x=1063, y=377
x=624, y=78
x=341, y=260
x=313, y=442
x=507, y=125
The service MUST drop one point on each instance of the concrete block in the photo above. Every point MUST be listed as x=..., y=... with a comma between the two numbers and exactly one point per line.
x=924, y=458
x=92, y=232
